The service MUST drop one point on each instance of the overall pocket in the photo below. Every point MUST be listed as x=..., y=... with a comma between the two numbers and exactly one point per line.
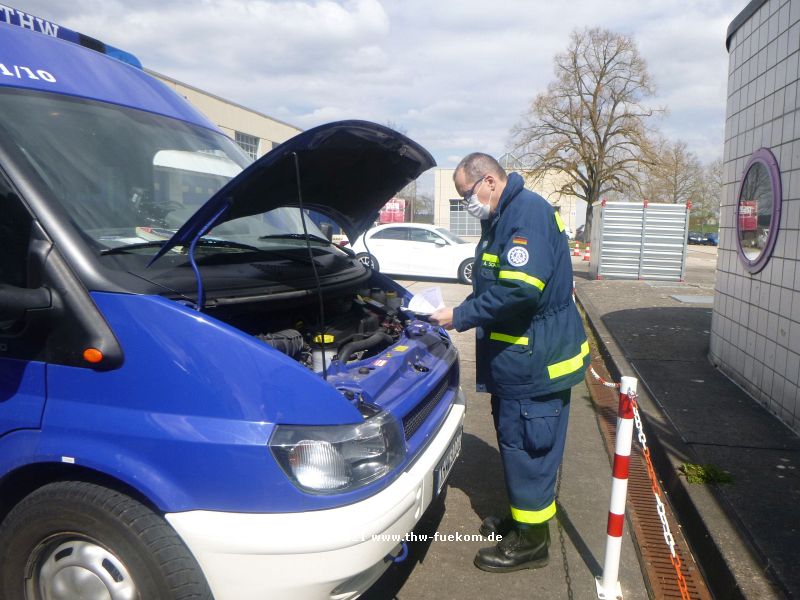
x=539, y=424
x=510, y=359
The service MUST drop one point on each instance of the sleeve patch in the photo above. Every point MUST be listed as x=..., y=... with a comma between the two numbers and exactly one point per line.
x=518, y=239
x=517, y=256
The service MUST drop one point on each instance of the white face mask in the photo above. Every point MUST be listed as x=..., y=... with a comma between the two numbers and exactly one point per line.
x=477, y=209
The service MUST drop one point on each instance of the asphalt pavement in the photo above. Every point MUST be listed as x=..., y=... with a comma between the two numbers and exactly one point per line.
x=442, y=568
x=745, y=534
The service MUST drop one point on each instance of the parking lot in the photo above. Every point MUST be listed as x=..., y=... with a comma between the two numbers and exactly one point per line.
x=442, y=568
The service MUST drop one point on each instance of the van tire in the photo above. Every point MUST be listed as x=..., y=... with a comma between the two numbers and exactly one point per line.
x=368, y=261
x=107, y=538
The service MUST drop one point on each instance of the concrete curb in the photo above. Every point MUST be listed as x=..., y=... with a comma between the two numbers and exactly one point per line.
x=730, y=565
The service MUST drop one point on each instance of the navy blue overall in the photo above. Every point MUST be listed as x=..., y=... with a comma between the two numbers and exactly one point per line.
x=531, y=347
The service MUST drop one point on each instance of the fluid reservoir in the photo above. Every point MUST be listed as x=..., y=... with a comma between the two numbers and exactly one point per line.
x=392, y=301
x=378, y=295
x=317, y=352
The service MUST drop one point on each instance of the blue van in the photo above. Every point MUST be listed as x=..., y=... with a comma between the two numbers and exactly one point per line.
x=200, y=395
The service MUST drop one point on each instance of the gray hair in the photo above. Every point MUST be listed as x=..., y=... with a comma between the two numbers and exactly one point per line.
x=478, y=164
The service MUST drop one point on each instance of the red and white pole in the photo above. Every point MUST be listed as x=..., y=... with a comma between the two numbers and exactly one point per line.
x=608, y=587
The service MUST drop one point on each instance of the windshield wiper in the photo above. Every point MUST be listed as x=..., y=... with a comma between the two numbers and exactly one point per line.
x=122, y=249
x=208, y=242
x=227, y=244
x=211, y=243
x=295, y=236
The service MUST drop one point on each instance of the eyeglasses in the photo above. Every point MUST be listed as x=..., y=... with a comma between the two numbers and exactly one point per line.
x=468, y=195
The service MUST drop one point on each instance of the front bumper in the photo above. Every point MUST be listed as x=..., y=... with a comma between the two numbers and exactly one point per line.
x=327, y=554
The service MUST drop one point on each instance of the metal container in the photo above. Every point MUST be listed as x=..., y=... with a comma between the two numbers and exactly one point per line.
x=638, y=240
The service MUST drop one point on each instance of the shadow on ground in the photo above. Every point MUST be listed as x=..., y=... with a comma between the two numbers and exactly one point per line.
x=712, y=421
x=480, y=476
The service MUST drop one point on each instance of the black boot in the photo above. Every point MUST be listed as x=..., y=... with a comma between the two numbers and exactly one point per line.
x=501, y=526
x=522, y=548
x=496, y=525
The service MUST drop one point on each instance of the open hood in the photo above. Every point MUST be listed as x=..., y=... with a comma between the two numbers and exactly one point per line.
x=348, y=171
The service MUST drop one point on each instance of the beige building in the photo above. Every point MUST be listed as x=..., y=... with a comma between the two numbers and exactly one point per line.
x=449, y=213
x=571, y=209
x=255, y=132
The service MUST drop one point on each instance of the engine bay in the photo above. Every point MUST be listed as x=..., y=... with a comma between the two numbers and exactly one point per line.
x=357, y=325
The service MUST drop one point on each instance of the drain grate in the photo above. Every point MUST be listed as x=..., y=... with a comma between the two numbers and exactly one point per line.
x=641, y=510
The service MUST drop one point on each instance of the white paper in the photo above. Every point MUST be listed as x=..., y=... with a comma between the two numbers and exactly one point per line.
x=427, y=301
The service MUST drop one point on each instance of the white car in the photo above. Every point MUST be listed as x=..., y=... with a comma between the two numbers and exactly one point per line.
x=416, y=249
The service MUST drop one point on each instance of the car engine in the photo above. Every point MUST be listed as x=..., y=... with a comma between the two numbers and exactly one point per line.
x=357, y=325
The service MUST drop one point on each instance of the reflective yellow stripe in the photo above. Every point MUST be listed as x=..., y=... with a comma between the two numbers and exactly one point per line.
x=559, y=222
x=520, y=276
x=511, y=339
x=490, y=258
x=565, y=367
x=534, y=516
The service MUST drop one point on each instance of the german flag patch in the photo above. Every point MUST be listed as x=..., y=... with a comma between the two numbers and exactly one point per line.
x=518, y=239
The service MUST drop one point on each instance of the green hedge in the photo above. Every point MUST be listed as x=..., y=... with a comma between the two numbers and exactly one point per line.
x=695, y=225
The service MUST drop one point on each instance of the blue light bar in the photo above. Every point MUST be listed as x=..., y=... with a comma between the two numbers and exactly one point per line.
x=14, y=16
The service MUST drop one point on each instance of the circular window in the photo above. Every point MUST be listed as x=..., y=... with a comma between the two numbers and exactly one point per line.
x=758, y=211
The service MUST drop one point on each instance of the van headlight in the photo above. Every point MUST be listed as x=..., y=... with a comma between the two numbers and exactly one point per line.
x=339, y=458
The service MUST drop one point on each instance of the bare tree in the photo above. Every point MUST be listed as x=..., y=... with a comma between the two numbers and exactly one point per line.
x=673, y=174
x=397, y=127
x=707, y=196
x=409, y=192
x=423, y=208
x=590, y=124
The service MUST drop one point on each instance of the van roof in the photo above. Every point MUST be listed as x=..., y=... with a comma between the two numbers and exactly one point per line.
x=35, y=61
x=20, y=18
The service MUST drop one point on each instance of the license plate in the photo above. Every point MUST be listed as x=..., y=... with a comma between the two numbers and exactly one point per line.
x=442, y=470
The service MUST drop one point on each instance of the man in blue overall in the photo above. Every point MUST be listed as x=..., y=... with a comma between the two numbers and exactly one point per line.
x=531, y=349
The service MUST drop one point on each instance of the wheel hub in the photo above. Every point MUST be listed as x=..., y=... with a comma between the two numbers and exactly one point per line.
x=82, y=569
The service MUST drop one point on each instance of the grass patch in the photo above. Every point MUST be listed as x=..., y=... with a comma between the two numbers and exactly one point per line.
x=705, y=474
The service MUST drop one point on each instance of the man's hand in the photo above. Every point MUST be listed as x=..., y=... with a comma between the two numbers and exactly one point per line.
x=443, y=317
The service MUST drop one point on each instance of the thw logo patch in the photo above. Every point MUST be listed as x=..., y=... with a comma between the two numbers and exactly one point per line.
x=518, y=256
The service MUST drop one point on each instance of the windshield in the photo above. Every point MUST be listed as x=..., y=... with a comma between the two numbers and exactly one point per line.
x=449, y=235
x=127, y=177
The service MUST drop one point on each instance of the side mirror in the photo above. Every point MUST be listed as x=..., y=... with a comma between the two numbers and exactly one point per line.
x=14, y=301
x=440, y=242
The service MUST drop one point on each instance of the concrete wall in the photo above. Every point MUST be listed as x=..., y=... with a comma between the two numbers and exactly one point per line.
x=755, y=336
x=230, y=117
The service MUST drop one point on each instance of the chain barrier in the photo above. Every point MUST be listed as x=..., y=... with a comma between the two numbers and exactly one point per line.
x=662, y=511
x=609, y=384
x=567, y=576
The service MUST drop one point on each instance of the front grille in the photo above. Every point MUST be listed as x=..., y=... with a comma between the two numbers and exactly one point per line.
x=416, y=417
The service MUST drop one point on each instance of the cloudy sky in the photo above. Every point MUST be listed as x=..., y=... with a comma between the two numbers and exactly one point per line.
x=455, y=75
